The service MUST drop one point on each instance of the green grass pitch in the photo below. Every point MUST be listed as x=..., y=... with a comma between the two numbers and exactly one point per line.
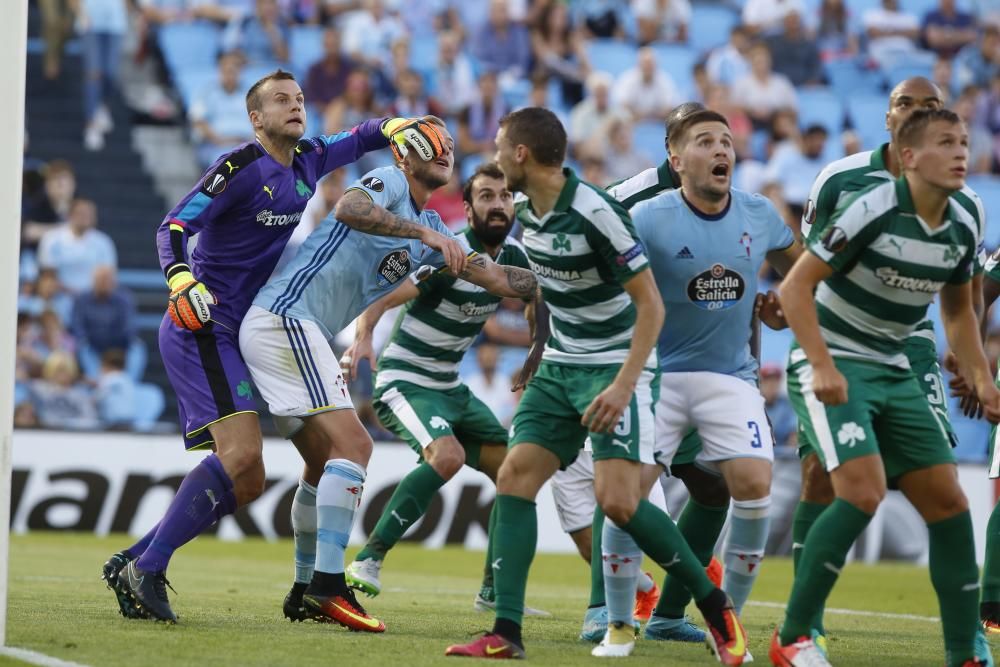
x=229, y=601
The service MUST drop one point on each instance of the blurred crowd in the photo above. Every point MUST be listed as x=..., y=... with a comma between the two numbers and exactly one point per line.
x=781, y=71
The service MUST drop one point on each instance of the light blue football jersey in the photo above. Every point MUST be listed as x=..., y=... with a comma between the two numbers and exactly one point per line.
x=706, y=269
x=338, y=271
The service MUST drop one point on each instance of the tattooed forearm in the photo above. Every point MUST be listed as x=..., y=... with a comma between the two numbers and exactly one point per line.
x=475, y=263
x=356, y=210
x=521, y=281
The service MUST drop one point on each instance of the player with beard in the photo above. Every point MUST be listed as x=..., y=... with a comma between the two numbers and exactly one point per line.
x=418, y=393
x=378, y=233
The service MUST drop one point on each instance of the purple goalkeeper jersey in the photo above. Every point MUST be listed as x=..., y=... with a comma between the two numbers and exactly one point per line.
x=245, y=208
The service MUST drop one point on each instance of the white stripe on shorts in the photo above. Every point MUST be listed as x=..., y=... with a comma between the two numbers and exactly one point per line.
x=817, y=415
x=407, y=415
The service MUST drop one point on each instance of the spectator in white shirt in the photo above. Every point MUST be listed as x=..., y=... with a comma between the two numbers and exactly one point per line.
x=369, y=33
x=892, y=33
x=662, y=20
x=763, y=92
x=625, y=161
x=75, y=249
x=589, y=116
x=454, y=81
x=764, y=17
x=796, y=165
x=728, y=63
x=645, y=90
x=219, y=112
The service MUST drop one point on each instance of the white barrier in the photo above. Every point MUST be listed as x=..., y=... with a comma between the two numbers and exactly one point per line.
x=118, y=482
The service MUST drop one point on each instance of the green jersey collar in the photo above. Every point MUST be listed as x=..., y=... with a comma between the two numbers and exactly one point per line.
x=568, y=192
x=877, y=161
x=665, y=176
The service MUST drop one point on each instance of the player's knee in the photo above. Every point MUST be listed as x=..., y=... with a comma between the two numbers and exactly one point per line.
x=950, y=500
x=865, y=499
x=247, y=472
x=508, y=475
x=750, y=488
x=619, y=507
x=446, y=457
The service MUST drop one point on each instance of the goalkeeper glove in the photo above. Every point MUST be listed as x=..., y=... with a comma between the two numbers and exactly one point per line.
x=427, y=139
x=188, y=305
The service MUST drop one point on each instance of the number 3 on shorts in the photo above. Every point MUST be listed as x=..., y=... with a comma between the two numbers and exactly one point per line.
x=755, y=441
x=624, y=426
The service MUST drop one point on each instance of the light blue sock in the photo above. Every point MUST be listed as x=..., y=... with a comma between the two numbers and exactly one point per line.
x=337, y=498
x=622, y=565
x=304, y=530
x=744, y=548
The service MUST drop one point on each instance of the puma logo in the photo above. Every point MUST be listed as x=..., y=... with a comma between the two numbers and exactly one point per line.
x=673, y=561
x=619, y=443
x=232, y=168
x=496, y=564
x=211, y=498
x=269, y=191
x=401, y=520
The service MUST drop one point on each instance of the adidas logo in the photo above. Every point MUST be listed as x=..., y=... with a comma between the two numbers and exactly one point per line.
x=684, y=254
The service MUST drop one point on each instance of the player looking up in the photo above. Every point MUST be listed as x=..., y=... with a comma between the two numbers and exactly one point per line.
x=837, y=181
x=706, y=244
x=377, y=235
x=244, y=209
x=887, y=252
x=596, y=378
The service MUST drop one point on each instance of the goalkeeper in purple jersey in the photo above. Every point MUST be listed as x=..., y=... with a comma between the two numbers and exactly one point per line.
x=243, y=209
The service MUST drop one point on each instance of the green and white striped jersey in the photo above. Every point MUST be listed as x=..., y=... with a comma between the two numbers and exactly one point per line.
x=888, y=267
x=644, y=185
x=582, y=251
x=854, y=173
x=436, y=328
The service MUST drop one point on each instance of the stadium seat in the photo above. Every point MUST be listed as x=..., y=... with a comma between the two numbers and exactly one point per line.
x=149, y=404
x=867, y=114
x=857, y=8
x=848, y=78
x=902, y=71
x=188, y=46
x=647, y=139
x=988, y=189
x=677, y=61
x=710, y=26
x=820, y=106
x=305, y=48
x=191, y=81
x=611, y=56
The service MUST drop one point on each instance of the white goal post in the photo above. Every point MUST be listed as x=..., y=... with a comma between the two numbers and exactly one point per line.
x=13, y=43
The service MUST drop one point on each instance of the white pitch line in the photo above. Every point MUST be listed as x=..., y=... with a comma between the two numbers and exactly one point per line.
x=854, y=612
x=36, y=658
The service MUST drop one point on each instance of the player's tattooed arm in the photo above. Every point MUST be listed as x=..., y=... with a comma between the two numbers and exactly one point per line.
x=357, y=210
x=503, y=280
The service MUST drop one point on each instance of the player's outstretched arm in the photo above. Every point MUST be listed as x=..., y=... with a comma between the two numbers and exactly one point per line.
x=962, y=330
x=357, y=210
x=362, y=347
x=500, y=279
x=799, y=306
x=607, y=407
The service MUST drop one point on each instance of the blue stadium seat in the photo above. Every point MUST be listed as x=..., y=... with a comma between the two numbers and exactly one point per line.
x=188, y=46
x=611, y=56
x=149, y=403
x=710, y=26
x=973, y=435
x=867, y=114
x=677, y=60
x=820, y=106
x=191, y=81
x=901, y=71
x=859, y=7
x=847, y=78
x=647, y=139
x=304, y=48
x=988, y=189
x=774, y=346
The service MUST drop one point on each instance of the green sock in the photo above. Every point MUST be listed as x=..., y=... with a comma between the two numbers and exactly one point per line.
x=488, y=567
x=805, y=516
x=658, y=537
x=991, y=568
x=513, y=550
x=955, y=576
x=596, y=560
x=408, y=503
x=823, y=557
x=700, y=525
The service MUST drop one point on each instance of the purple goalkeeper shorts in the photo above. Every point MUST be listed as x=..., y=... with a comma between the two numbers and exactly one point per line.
x=208, y=375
